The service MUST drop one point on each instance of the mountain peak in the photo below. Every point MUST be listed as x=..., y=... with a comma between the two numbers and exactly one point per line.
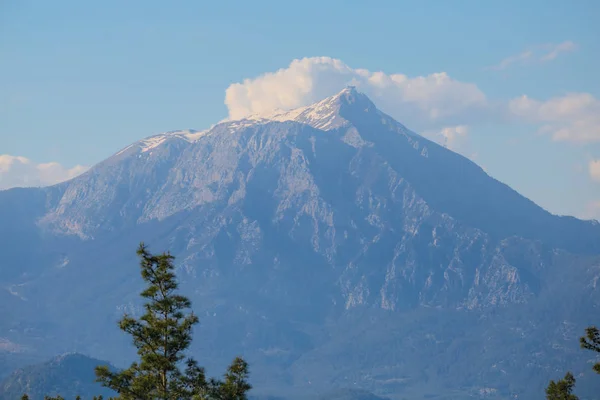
x=327, y=114
x=324, y=114
x=350, y=94
x=348, y=91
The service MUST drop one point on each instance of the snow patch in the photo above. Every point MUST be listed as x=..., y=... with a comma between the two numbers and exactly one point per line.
x=189, y=135
x=152, y=142
x=353, y=138
x=324, y=115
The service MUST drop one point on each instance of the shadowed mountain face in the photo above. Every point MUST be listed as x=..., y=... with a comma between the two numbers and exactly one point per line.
x=329, y=245
x=68, y=375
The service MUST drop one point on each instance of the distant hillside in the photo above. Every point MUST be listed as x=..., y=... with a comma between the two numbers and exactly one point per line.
x=10, y=361
x=350, y=394
x=68, y=375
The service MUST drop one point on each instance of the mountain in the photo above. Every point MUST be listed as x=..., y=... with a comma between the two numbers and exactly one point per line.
x=329, y=245
x=68, y=375
x=348, y=394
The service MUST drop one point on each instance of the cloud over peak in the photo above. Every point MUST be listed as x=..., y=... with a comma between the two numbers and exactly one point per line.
x=424, y=103
x=421, y=101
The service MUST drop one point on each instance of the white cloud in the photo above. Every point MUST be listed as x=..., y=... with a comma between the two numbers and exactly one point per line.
x=452, y=137
x=594, y=170
x=432, y=103
x=541, y=54
x=455, y=138
x=553, y=50
x=21, y=172
x=592, y=210
x=574, y=117
x=434, y=100
x=521, y=58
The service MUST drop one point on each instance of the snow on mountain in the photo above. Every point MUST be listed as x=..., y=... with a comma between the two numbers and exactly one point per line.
x=324, y=115
x=181, y=170
x=149, y=143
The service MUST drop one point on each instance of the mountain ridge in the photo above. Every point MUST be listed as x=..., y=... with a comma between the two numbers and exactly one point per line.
x=443, y=186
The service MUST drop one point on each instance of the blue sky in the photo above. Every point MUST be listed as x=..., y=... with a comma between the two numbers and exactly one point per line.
x=80, y=80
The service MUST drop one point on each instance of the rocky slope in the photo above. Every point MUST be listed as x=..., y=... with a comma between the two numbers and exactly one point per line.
x=330, y=245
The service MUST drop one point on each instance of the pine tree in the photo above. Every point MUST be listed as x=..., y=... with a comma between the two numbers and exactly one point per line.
x=25, y=397
x=562, y=389
x=235, y=385
x=161, y=336
x=591, y=341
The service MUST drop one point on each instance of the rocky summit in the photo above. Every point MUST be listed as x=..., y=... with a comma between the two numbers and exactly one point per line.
x=329, y=245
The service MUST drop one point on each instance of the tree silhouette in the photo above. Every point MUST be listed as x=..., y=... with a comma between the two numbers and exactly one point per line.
x=162, y=335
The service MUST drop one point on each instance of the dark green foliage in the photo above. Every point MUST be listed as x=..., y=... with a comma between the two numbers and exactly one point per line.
x=62, y=398
x=236, y=383
x=591, y=341
x=161, y=336
x=562, y=390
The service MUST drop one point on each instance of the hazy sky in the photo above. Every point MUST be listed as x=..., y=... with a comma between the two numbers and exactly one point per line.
x=512, y=85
